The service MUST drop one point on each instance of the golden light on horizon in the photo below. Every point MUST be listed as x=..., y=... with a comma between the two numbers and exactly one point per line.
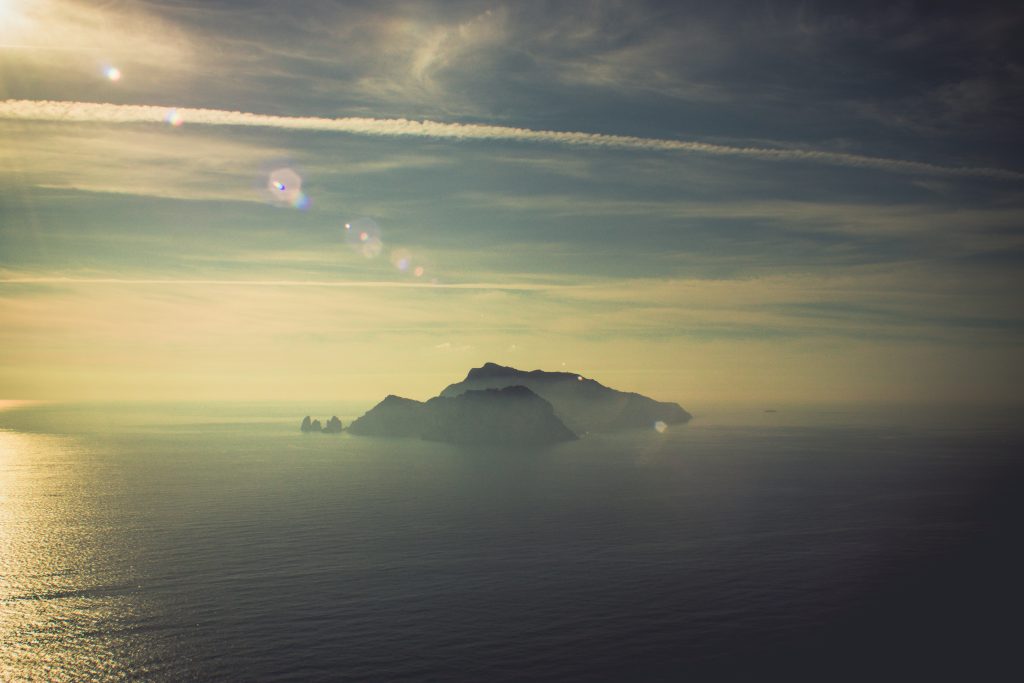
x=379, y=340
x=11, y=404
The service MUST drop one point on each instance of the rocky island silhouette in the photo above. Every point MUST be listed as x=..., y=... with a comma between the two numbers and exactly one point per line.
x=500, y=404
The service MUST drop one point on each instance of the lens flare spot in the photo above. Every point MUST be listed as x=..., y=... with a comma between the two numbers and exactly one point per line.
x=112, y=73
x=173, y=117
x=579, y=378
x=401, y=259
x=660, y=427
x=285, y=188
x=418, y=271
x=364, y=237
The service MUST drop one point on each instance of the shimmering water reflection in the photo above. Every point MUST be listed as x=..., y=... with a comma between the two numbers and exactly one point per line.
x=72, y=606
x=182, y=546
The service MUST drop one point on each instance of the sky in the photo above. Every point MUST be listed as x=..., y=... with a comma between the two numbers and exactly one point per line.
x=773, y=202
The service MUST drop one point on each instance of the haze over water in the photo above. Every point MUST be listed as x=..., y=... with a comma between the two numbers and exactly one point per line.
x=215, y=541
x=809, y=207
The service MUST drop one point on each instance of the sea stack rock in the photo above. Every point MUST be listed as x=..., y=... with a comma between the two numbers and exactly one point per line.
x=333, y=425
x=307, y=425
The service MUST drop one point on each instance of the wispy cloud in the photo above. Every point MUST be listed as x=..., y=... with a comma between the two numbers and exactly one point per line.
x=794, y=304
x=821, y=216
x=137, y=162
x=798, y=334
x=93, y=112
x=346, y=284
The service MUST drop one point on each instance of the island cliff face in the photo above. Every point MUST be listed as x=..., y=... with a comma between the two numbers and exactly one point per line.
x=509, y=415
x=584, y=405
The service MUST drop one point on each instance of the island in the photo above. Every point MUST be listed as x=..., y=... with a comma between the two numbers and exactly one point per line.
x=499, y=404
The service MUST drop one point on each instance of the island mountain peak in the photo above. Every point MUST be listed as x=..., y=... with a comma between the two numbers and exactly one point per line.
x=507, y=415
x=494, y=370
x=583, y=404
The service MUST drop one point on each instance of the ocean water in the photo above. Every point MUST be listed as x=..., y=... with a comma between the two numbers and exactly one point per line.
x=216, y=542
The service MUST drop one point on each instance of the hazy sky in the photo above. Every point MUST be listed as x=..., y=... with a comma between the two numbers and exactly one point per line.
x=768, y=201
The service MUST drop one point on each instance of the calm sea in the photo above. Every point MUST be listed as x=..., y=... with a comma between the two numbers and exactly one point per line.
x=216, y=542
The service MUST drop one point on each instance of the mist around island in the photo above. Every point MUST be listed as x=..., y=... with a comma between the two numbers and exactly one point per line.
x=228, y=226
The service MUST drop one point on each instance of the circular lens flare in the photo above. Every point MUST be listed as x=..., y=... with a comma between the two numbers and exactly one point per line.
x=401, y=259
x=112, y=73
x=363, y=235
x=660, y=427
x=285, y=188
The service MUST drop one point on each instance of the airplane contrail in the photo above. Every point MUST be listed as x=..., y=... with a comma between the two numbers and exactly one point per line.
x=96, y=112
